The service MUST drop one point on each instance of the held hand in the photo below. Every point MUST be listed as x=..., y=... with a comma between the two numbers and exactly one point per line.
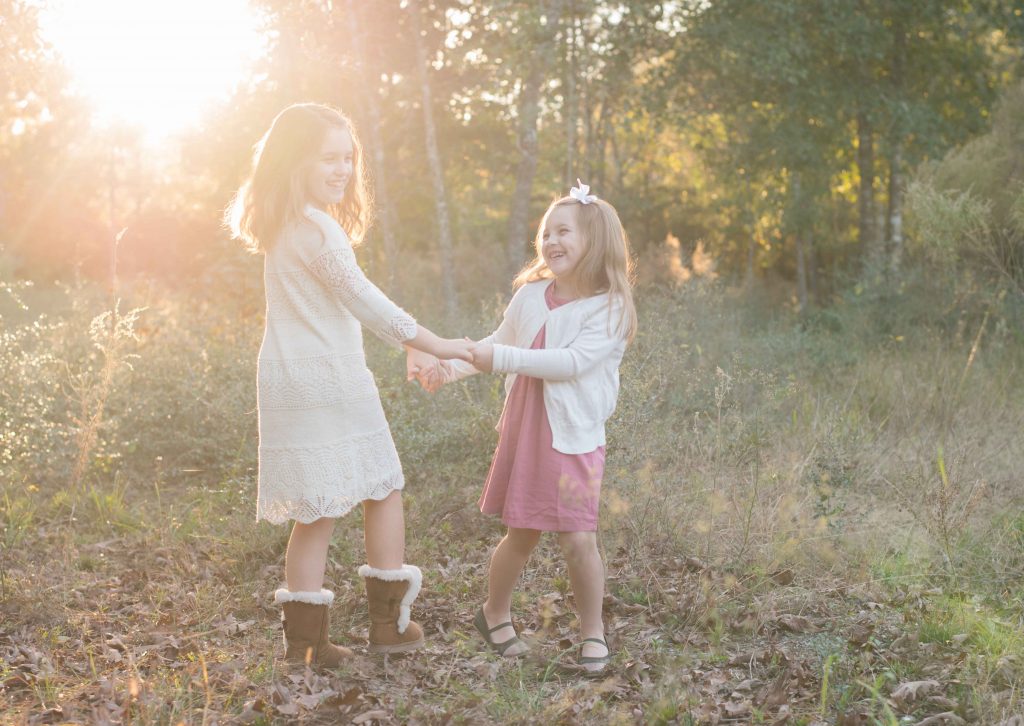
x=448, y=349
x=423, y=367
x=483, y=357
x=437, y=376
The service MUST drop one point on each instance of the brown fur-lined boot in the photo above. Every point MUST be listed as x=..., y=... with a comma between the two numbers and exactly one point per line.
x=307, y=621
x=390, y=594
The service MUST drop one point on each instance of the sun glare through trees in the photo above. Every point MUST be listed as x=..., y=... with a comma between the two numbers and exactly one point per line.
x=154, y=65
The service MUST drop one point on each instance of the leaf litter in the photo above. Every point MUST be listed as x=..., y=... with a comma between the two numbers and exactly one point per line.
x=166, y=634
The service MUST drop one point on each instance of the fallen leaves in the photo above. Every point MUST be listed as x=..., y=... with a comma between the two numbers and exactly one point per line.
x=796, y=624
x=942, y=719
x=722, y=646
x=906, y=694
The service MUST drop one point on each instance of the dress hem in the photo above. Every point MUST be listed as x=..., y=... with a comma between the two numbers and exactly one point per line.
x=335, y=509
x=543, y=527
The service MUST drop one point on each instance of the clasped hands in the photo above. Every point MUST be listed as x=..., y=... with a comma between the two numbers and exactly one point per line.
x=433, y=371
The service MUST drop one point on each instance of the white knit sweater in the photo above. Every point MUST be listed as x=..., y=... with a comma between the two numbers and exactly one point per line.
x=579, y=363
x=325, y=445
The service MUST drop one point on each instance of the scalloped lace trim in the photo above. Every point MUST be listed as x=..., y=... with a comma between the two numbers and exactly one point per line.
x=306, y=483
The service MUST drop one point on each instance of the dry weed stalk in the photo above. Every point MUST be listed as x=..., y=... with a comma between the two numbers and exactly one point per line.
x=111, y=333
x=949, y=502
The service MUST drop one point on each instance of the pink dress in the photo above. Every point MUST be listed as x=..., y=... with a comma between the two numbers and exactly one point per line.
x=531, y=485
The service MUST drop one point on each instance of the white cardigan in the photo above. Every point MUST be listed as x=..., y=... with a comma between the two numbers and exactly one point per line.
x=579, y=363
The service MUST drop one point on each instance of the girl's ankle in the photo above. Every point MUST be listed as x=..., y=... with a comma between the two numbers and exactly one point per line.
x=492, y=612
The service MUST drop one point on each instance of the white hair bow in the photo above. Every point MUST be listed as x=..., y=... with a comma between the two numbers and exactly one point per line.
x=582, y=193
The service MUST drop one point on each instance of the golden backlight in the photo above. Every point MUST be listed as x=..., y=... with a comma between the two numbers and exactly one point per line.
x=154, y=64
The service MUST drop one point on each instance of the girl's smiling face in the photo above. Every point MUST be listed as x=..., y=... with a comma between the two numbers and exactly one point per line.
x=562, y=246
x=330, y=169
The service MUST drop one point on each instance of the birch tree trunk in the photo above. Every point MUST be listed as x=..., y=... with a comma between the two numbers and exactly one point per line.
x=378, y=161
x=528, y=109
x=570, y=97
x=586, y=112
x=866, y=195
x=444, y=232
x=894, y=218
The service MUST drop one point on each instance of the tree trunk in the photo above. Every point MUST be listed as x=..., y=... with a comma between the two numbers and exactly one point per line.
x=601, y=170
x=528, y=109
x=617, y=162
x=866, y=196
x=894, y=219
x=801, y=274
x=797, y=226
x=114, y=237
x=587, y=114
x=377, y=158
x=444, y=236
x=570, y=99
x=811, y=266
x=748, y=278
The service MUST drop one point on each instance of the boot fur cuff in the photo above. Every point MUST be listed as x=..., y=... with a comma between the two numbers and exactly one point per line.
x=409, y=573
x=283, y=595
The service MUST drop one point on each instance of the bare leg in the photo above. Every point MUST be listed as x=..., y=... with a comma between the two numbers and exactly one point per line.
x=384, y=532
x=305, y=560
x=507, y=565
x=586, y=573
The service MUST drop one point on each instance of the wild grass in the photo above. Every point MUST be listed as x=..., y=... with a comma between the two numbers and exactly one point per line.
x=797, y=517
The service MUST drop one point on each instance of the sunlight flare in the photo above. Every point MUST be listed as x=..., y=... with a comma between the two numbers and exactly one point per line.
x=155, y=65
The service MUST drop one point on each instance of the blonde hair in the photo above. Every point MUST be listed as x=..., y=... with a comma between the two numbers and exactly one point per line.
x=606, y=265
x=274, y=194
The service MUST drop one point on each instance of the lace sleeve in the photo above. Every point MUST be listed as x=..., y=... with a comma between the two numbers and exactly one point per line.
x=338, y=270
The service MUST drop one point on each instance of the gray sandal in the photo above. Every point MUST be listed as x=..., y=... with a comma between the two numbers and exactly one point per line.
x=590, y=660
x=480, y=621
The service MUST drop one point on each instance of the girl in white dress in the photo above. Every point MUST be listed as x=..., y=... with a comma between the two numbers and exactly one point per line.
x=325, y=446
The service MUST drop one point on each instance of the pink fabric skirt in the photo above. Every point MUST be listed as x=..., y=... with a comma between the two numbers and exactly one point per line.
x=530, y=485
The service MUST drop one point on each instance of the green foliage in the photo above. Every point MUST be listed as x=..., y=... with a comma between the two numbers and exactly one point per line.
x=967, y=211
x=34, y=437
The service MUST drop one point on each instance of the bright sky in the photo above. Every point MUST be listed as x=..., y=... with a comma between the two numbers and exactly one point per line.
x=155, y=64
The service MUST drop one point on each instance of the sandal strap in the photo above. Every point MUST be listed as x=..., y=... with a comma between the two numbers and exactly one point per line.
x=505, y=644
x=592, y=659
x=480, y=621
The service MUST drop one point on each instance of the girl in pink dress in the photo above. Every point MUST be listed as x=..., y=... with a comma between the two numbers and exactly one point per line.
x=561, y=341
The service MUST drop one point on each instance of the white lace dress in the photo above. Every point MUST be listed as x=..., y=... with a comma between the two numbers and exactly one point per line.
x=324, y=444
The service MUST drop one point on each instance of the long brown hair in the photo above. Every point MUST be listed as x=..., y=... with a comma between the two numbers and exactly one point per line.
x=606, y=265
x=274, y=193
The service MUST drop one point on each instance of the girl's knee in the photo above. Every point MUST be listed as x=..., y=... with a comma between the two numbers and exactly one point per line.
x=578, y=545
x=524, y=540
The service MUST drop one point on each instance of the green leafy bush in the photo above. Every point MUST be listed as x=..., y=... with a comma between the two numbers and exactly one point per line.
x=967, y=211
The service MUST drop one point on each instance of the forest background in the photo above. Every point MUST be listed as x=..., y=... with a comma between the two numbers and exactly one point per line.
x=813, y=511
